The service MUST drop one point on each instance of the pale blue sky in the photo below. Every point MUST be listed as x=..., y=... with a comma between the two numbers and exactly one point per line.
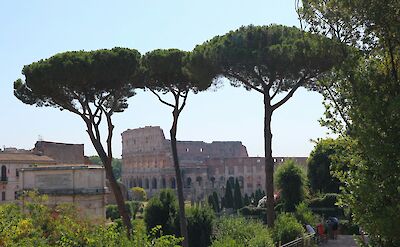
x=32, y=30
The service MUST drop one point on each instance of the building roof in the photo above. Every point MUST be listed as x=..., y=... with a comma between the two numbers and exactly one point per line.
x=10, y=157
x=62, y=167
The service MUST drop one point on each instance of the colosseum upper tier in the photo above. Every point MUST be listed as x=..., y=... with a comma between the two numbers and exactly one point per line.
x=147, y=163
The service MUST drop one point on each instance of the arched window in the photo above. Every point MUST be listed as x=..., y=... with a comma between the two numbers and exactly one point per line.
x=146, y=183
x=3, y=173
x=154, y=183
x=134, y=183
x=189, y=182
x=140, y=183
x=164, y=183
x=173, y=183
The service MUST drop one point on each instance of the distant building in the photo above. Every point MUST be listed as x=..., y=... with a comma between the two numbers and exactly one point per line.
x=11, y=161
x=83, y=186
x=57, y=169
x=147, y=163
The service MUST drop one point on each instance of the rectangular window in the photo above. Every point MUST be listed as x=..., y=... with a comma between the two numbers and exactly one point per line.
x=231, y=170
x=3, y=195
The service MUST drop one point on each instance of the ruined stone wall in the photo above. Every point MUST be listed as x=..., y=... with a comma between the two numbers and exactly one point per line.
x=62, y=153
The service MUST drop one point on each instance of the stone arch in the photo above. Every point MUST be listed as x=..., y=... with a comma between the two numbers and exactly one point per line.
x=146, y=183
x=154, y=183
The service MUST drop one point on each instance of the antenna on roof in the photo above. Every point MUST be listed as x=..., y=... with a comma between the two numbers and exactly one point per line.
x=40, y=138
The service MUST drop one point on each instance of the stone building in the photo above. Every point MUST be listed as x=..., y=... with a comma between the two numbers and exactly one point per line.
x=11, y=161
x=147, y=163
x=83, y=186
x=57, y=169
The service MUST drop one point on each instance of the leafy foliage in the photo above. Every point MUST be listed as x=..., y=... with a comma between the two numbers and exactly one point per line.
x=238, y=231
x=162, y=209
x=138, y=194
x=364, y=96
x=304, y=215
x=320, y=162
x=287, y=228
x=200, y=225
x=113, y=213
x=290, y=179
x=40, y=225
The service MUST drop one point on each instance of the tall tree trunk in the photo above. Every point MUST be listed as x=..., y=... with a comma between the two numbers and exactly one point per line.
x=269, y=162
x=179, y=183
x=107, y=162
x=119, y=198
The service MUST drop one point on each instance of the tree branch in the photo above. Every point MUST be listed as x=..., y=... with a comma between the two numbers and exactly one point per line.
x=290, y=94
x=277, y=89
x=185, y=95
x=161, y=100
x=244, y=81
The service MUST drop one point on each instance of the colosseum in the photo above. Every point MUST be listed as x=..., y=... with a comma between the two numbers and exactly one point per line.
x=147, y=163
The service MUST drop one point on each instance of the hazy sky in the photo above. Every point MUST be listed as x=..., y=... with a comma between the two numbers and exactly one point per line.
x=32, y=30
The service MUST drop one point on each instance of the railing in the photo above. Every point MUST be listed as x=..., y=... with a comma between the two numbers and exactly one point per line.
x=304, y=241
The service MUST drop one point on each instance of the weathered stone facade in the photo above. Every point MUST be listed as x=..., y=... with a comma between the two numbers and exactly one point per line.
x=61, y=173
x=83, y=186
x=62, y=153
x=147, y=163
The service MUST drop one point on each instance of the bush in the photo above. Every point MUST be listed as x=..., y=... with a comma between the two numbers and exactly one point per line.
x=290, y=179
x=304, y=215
x=287, y=228
x=113, y=213
x=162, y=209
x=200, y=224
x=254, y=212
x=139, y=194
x=238, y=231
x=40, y=225
x=324, y=201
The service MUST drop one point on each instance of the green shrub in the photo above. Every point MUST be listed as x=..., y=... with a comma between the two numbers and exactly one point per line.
x=290, y=179
x=162, y=209
x=348, y=228
x=324, y=201
x=138, y=194
x=254, y=212
x=287, y=228
x=239, y=231
x=113, y=213
x=304, y=215
x=200, y=223
x=40, y=225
